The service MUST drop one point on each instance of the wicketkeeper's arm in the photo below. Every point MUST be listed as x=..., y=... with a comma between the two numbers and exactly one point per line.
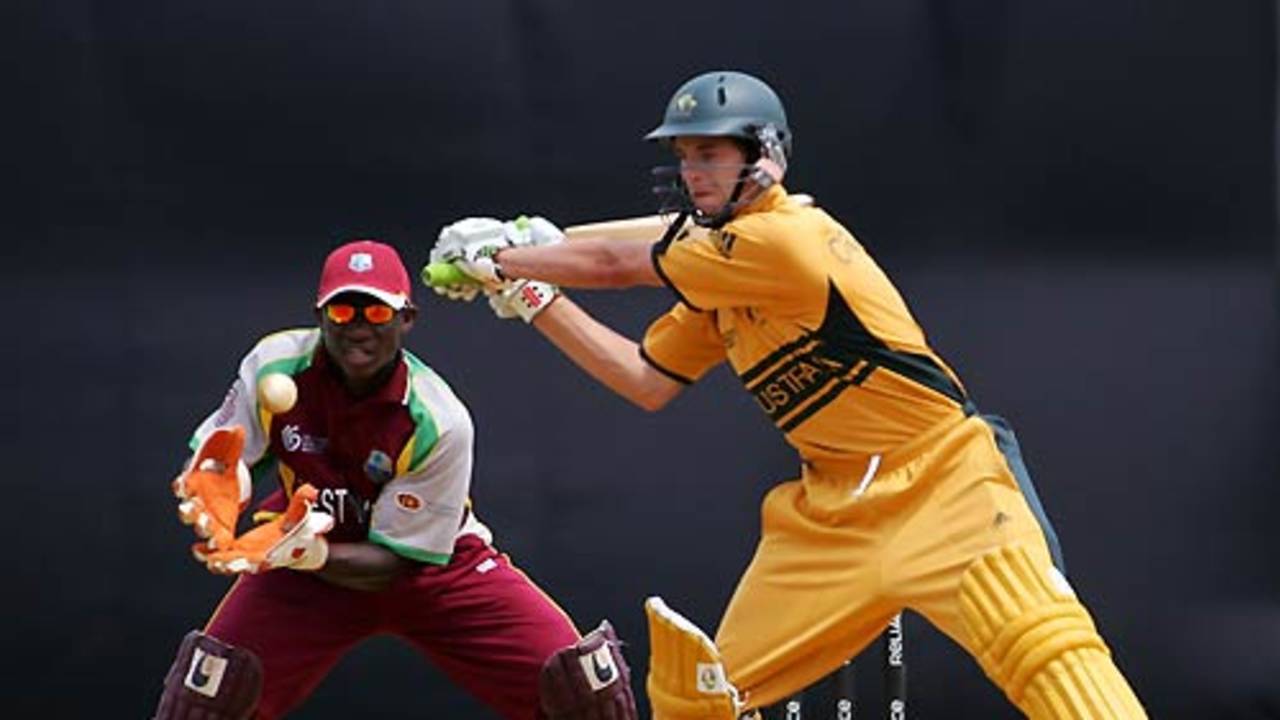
x=605, y=355
x=362, y=566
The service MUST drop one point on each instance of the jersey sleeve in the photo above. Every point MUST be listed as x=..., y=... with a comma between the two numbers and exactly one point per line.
x=288, y=352
x=734, y=267
x=683, y=344
x=419, y=513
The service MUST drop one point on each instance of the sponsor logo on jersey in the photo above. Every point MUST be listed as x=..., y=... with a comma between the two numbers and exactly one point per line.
x=205, y=673
x=407, y=501
x=598, y=667
x=360, y=262
x=378, y=467
x=294, y=440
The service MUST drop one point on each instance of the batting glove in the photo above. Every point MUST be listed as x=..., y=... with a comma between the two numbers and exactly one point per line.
x=523, y=299
x=215, y=487
x=473, y=243
x=294, y=539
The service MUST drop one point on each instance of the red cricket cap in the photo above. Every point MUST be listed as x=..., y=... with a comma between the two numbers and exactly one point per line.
x=368, y=267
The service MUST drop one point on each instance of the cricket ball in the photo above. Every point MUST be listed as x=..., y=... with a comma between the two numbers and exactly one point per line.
x=277, y=393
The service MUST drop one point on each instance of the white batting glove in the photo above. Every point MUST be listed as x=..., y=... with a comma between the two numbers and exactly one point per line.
x=471, y=244
x=523, y=299
x=535, y=231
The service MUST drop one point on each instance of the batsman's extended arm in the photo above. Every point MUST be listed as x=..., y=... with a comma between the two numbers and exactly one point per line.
x=605, y=355
x=595, y=263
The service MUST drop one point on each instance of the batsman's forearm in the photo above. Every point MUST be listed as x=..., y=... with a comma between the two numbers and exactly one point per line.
x=596, y=263
x=605, y=355
x=362, y=566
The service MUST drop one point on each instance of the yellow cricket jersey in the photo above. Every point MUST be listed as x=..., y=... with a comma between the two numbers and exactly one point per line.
x=811, y=325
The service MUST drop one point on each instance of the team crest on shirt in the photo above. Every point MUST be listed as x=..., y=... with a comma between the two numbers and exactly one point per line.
x=378, y=467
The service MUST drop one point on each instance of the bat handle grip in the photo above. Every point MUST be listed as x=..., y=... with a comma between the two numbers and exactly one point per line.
x=438, y=274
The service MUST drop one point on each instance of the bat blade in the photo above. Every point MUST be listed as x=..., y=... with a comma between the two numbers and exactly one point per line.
x=647, y=227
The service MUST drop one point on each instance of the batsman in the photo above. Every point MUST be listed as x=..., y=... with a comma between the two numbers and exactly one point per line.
x=907, y=495
x=370, y=532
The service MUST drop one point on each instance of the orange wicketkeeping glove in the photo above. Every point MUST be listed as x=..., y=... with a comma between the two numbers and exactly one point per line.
x=215, y=487
x=294, y=539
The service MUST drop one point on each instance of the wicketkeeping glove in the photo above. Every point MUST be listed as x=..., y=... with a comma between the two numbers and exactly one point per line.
x=295, y=539
x=215, y=487
x=522, y=298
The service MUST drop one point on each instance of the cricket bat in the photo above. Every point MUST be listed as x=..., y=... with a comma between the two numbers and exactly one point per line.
x=646, y=227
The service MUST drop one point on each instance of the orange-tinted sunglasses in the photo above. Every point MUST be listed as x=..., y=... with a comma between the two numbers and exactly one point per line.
x=374, y=314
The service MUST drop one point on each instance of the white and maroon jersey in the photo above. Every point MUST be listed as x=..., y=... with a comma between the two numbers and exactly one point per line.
x=393, y=467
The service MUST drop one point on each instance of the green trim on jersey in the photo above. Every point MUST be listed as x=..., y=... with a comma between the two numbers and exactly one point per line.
x=408, y=551
x=425, y=433
x=288, y=365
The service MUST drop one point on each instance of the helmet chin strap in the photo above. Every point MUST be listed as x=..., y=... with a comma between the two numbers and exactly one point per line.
x=754, y=179
x=726, y=211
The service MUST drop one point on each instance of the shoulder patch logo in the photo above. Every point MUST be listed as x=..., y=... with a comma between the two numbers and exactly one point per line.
x=360, y=262
x=378, y=467
x=407, y=501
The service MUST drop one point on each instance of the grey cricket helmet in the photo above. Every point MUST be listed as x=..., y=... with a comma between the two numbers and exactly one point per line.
x=724, y=103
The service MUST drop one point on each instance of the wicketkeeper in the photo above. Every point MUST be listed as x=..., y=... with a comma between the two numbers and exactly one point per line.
x=370, y=532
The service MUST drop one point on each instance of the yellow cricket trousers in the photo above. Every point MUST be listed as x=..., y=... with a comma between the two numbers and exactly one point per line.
x=839, y=557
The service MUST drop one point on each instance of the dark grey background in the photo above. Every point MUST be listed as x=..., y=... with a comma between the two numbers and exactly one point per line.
x=1078, y=200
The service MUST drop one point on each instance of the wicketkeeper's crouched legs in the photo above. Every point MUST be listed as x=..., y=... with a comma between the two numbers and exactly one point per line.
x=1036, y=641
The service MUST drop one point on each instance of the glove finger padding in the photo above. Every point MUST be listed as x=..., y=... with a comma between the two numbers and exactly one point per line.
x=215, y=487
x=589, y=680
x=294, y=539
x=534, y=231
x=464, y=293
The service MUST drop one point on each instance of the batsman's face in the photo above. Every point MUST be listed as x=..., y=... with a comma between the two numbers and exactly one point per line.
x=710, y=167
x=361, y=348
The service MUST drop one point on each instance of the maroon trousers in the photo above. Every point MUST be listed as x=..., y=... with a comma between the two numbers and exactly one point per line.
x=479, y=619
